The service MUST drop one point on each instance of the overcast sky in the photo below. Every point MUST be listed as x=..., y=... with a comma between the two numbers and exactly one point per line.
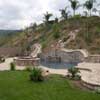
x=16, y=14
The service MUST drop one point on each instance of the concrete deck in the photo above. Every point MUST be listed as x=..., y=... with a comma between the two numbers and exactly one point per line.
x=6, y=65
x=92, y=76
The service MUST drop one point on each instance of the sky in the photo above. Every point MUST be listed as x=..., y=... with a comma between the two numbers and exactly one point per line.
x=17, y=14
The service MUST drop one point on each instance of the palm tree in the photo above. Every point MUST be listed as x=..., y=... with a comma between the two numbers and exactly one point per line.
x=74, y=5
x=95, y=10
x=47, y=17
x=89, y=5
x=99, y=12
x=64, y=13
x=99, y=4
x=33, y=26
x=85, y=13
x=56, y=20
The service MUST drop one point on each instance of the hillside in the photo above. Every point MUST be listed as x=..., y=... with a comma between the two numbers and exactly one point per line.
x=8, y=32
x=7, y=35
x=87, y=37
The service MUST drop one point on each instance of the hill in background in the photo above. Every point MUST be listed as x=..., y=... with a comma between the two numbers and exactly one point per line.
x=88, y=36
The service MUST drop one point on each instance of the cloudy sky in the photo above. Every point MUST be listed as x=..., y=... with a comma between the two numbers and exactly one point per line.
x=16, y=14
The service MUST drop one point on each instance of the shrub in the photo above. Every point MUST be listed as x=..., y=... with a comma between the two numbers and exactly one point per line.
x=74, y=73
x=43, y=45
x=97, y=90
x=77, y=77
x=56, y=31
x=56, y=35
x=29, y=69
x=78, y=16
x=12, y=66
x=36, y=75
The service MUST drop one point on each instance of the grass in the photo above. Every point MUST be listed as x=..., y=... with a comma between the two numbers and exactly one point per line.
x=17, y=86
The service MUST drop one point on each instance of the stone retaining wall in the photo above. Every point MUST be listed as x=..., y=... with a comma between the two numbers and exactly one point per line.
x=90, y=86
x=93, y=59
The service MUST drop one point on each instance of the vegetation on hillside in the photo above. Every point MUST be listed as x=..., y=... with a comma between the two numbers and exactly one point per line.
x=50, y=31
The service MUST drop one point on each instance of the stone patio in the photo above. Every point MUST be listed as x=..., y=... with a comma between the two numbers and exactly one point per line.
x=90, y=73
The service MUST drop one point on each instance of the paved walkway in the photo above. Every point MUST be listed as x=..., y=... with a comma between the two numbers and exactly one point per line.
x=6, y=65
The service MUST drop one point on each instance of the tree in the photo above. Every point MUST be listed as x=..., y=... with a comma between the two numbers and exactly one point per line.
x=89, y=5
x=74, y=5
x=95, y=10
x=64, y=13
x=99, y=12
x=33, y=26
x=85, y=13
x=56, y=20
x=47, y=17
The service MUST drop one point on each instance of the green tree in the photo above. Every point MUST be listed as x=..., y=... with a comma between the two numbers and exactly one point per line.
x=89, y=5
x=56, y=20
x=47, y=17
x=74, y=5
x=64, y=13
x=85, y=13
x=95, y=10
x=33, y=26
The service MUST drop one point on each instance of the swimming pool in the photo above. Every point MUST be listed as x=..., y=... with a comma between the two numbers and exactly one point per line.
x=55, y=65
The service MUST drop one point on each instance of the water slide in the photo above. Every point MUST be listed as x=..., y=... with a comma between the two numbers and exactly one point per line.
x=36, y=50
x=72, y=35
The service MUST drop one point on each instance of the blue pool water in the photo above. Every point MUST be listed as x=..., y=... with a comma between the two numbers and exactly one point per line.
x=58, y=65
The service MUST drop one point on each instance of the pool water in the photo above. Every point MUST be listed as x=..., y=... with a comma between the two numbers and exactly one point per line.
x=58, y=65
